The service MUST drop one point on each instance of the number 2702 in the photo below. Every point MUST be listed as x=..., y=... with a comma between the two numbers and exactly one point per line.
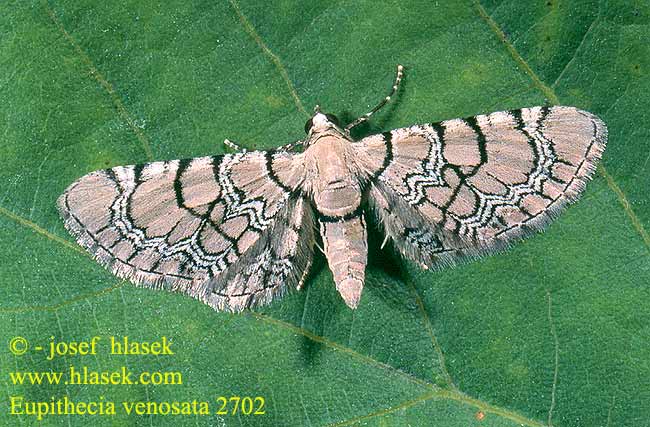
x=244, y=405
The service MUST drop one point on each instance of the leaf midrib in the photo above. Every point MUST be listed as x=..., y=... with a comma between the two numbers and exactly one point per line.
x=434, y=393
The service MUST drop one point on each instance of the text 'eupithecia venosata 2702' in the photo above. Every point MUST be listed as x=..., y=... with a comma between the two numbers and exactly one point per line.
x=238, y=230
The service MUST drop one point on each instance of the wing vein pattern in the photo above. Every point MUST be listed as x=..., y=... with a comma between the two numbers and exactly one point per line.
x=238, y=230
x=462, y=188
x=223, y=229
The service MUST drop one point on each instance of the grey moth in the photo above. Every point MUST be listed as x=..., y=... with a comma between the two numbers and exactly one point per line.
x=239, y=230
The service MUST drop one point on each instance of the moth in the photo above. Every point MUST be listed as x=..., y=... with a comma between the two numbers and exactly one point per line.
x=239, y=230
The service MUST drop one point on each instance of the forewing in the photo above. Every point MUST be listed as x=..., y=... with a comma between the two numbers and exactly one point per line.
x=184, y=225
x=464, y=187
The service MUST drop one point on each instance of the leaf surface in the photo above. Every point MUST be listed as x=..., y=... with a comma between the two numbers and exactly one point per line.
x=553, y=332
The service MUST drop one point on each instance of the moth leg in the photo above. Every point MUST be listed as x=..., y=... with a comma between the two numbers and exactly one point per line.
x=365, y=117
x=232, y=145
x=291, y=146
x=228, y=143
x=385, y=241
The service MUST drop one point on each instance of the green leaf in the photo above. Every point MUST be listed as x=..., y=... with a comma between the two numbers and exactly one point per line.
x=553, y=332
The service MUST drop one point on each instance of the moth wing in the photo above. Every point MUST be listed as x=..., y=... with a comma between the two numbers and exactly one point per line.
x=187, y=225
x=466, y=187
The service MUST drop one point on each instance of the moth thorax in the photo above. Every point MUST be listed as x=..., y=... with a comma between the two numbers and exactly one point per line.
x=321, y=121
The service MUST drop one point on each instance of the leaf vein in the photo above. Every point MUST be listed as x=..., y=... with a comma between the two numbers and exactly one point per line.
x=434, y=341
x=557, y=359
x=582, y=42
x=57, y=306
x=436, y=391
x=108, y=87
x=250, y=29
x=403, y=405
x=40, y=230
x=552, y=96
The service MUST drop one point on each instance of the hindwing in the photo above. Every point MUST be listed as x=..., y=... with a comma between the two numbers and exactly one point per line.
x=214, y=227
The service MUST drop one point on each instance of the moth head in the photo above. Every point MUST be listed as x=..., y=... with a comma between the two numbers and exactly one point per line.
x=320, y=122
